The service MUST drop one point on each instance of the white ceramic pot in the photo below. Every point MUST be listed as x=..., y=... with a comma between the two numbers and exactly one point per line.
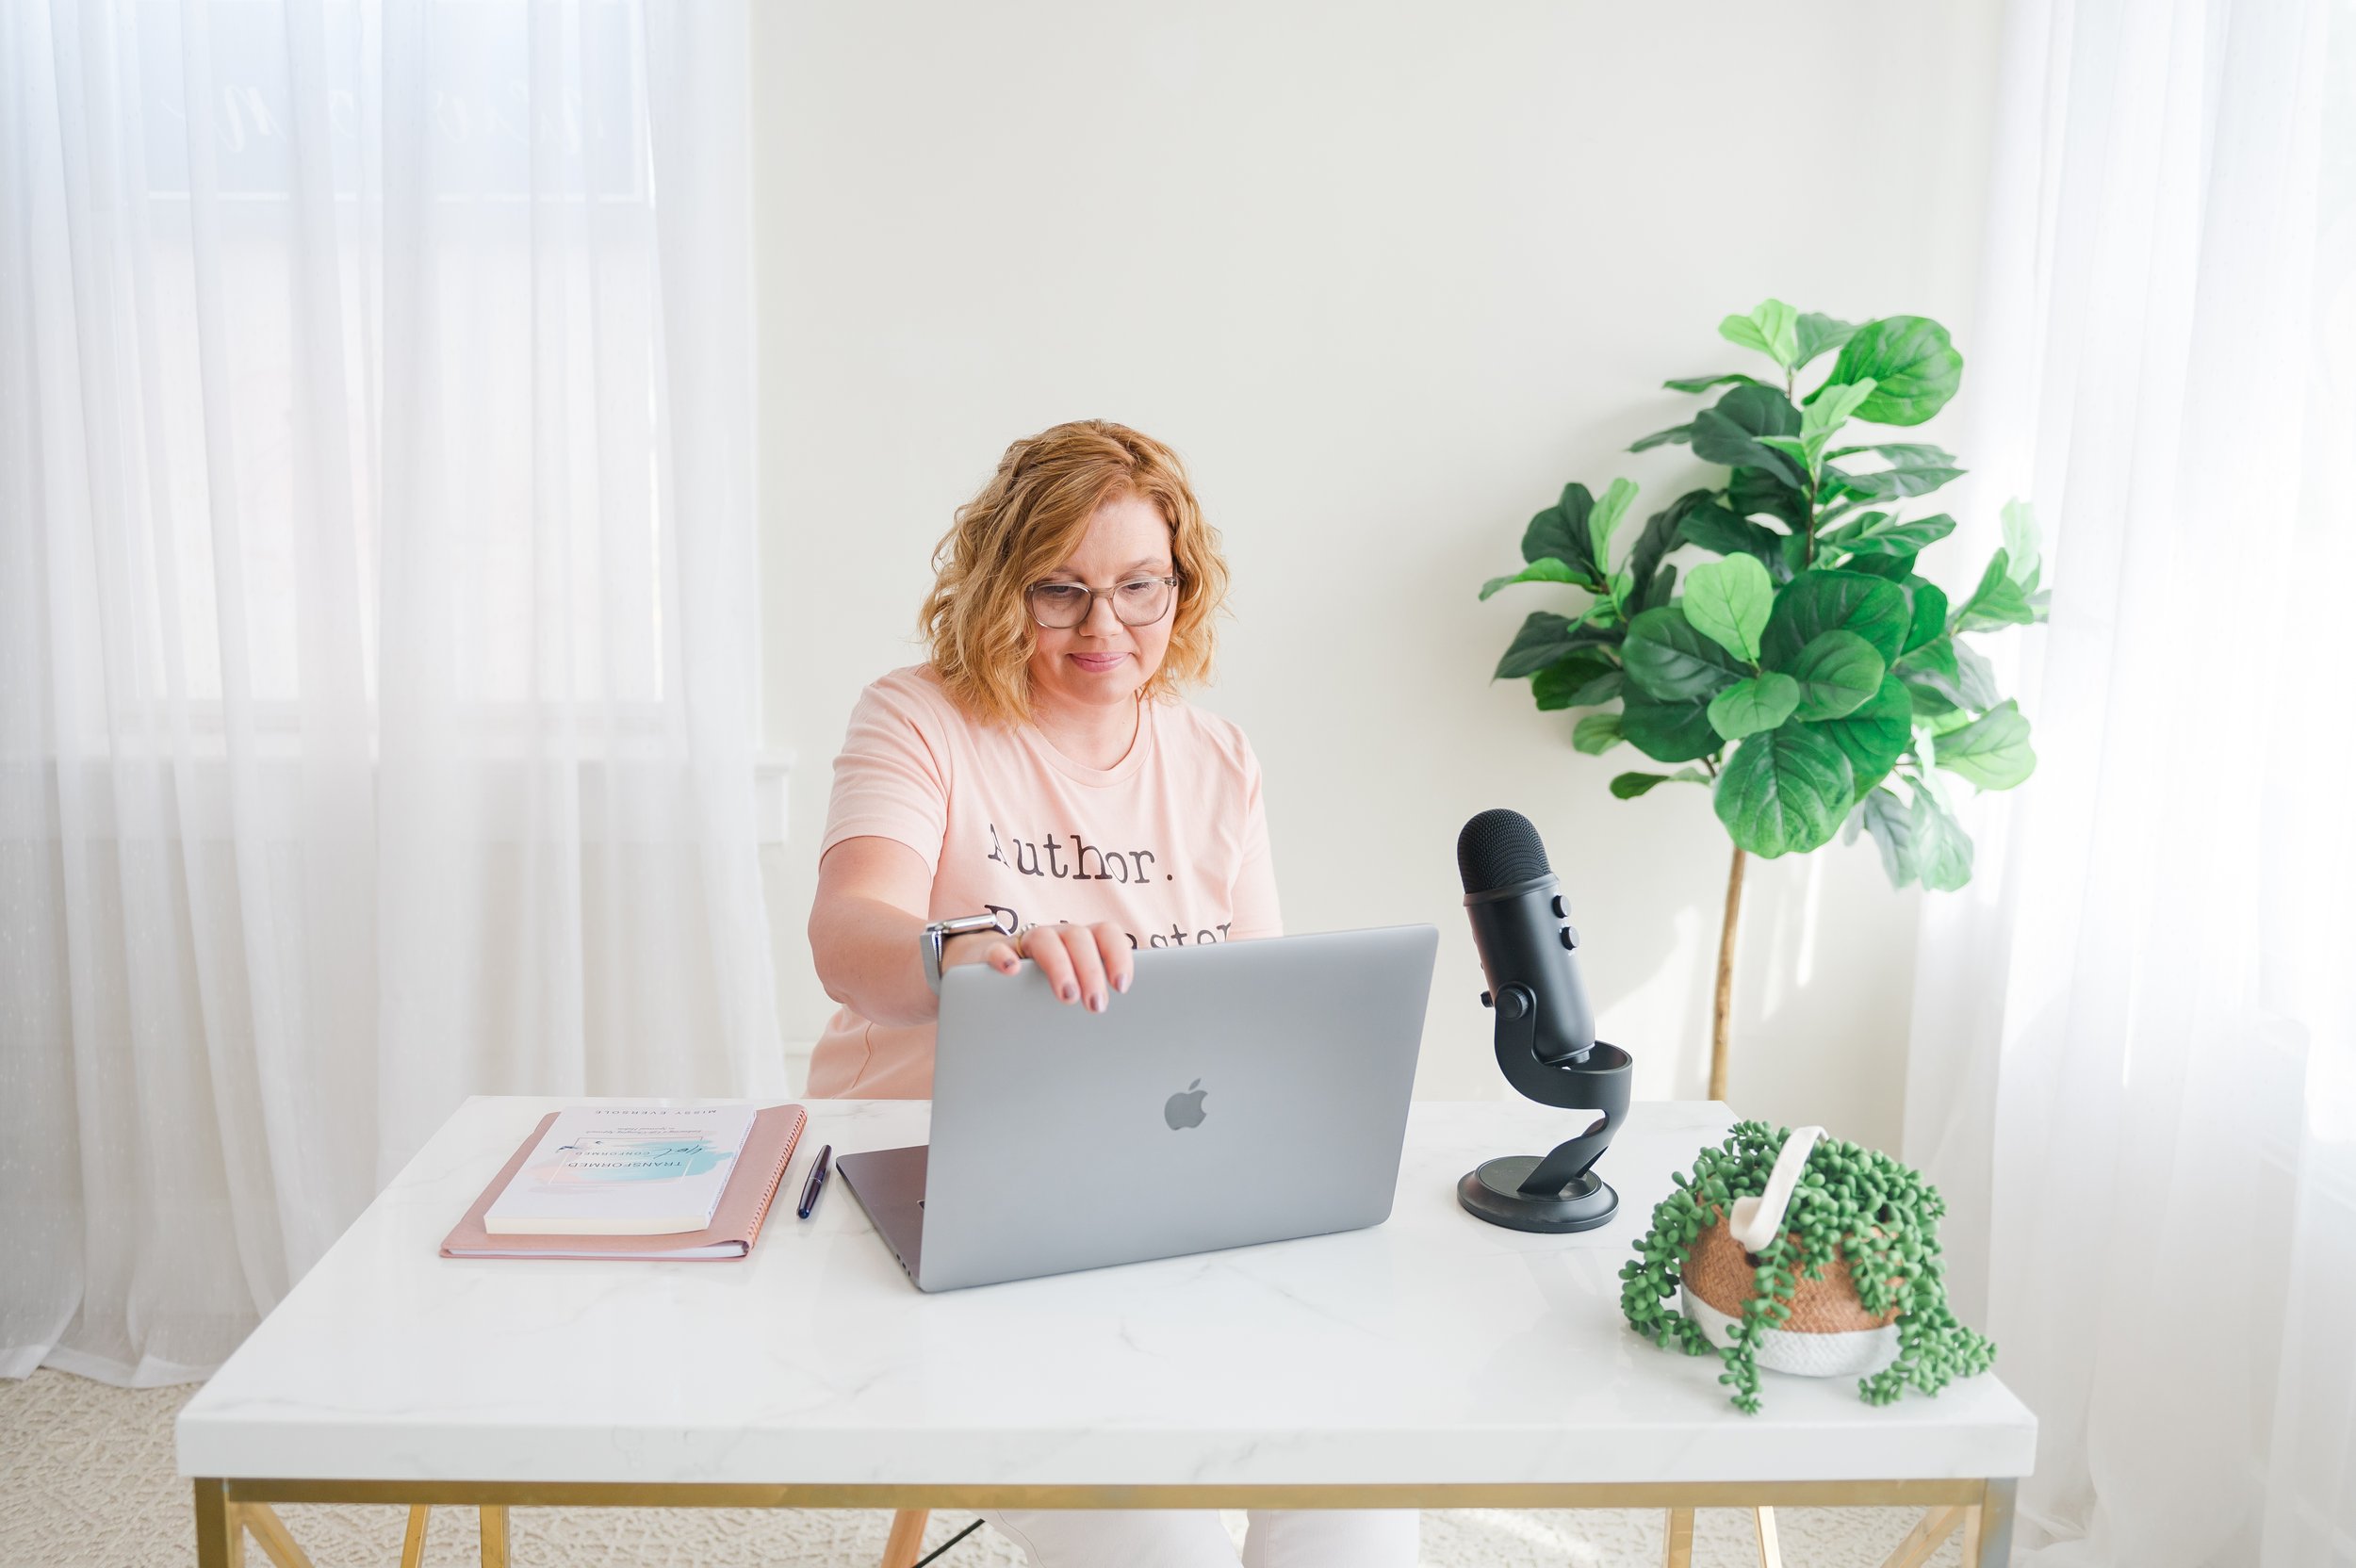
x=1849, y=1354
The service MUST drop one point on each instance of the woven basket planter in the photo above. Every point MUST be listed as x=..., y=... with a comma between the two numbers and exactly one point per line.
x=1829, y=1334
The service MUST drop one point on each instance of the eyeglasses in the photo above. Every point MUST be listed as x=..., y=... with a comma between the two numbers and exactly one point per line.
x=1140, y=601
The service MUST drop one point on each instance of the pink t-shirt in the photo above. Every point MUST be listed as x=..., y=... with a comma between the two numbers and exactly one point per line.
x=1169, y=843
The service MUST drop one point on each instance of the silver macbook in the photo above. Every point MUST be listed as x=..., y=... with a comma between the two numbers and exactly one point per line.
x=1236, y=1093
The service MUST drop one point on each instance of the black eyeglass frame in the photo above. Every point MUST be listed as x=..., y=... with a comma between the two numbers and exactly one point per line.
x=1173, y=582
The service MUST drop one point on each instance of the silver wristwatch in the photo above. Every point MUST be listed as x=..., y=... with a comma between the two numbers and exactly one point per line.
x=937, y=935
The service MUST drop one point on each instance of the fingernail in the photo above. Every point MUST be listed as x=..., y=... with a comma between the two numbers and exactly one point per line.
x=1121, y=984
x=1096, y=1003
x=1071, y=993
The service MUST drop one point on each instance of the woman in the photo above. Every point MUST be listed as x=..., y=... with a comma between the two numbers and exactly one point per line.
x=1040, y=783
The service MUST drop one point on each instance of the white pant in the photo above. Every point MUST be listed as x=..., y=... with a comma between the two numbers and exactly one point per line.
x=1194, y=1538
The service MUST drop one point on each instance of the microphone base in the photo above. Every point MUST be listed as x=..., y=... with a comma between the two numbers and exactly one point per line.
x=1493, y=1192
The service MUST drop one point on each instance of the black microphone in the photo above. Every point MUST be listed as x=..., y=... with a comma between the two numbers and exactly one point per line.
x=1546, y=1032
x=1520, y=924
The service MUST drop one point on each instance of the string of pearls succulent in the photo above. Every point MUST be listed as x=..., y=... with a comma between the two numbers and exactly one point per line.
x=1853, y=1202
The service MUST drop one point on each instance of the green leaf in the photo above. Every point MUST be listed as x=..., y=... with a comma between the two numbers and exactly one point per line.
x=1827, y=414
x=1889, y=568
x=1668, y=731
x=1819, y=600
x=1888, y=484
x=1678, y=433
x=1604, y=519
x=1544, y=569
x=1753, y=492
x=1703, y=384
x=1997, y=601
x=1837, y=673
x=1975, y=679
x=1583, y=679
x=1603, y=688
x=1714, y=528
x=1927, y=602
x=1628, y=786
x=1784, y=791
x=1657, y=537
x=1748, y=706
x=1943, y=851
x=1816, y=333
x=1596, y=734
x=1891, y=824
x=1953, y=672
x=1727, y=602
x=1914, y=367
x=1669, y=660
x=1903, y=454
x=1728, y=432
x=1876, y=734
x=1992, y=751
x=1931, y=707
x=1773, y=329
x=1837, y=534
x=2021, y=543
x=1545, y=639
x=1659, y=591
x=1908, y=538
x=1561, y=531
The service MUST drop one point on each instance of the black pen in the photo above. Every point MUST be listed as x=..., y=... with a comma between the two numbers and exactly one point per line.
x=817, y=1180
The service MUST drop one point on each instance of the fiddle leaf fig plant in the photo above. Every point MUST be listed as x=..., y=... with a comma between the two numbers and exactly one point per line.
x=1804, y=672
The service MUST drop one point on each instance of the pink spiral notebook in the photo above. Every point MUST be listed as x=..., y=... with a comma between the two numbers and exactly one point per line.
x=768, y=1149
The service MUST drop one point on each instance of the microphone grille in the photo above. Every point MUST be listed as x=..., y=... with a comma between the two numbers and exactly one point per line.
x=1497, y=849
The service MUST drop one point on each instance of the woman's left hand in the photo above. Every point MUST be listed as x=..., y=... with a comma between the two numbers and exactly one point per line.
x=1081, y=961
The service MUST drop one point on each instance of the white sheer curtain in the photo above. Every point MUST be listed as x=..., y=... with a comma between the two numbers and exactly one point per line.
x=2134, y=1064
x=376, y=618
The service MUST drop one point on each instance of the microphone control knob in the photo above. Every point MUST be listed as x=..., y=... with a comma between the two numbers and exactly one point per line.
x=1488, y=1001
x=1514, y=1003
x=1570, y=937
x=1559, y=910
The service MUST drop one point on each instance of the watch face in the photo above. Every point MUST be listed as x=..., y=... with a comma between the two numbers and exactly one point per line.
x=938, y=934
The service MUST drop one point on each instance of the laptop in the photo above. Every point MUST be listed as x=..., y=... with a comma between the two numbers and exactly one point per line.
x=1236, y=1093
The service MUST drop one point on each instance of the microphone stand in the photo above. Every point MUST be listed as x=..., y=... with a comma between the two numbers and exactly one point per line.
x=1557, y=1191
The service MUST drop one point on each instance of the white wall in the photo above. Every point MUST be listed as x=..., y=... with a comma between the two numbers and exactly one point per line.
x=1387, y=274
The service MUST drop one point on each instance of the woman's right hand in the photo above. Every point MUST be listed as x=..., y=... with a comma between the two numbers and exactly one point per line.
x=1080, y=961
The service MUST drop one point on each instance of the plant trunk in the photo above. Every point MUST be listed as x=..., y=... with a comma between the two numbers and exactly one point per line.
x=1722, y=1011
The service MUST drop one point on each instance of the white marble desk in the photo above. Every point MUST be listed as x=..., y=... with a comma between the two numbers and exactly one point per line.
x=1432, y=1361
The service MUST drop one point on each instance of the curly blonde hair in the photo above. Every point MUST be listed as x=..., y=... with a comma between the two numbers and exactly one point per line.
x=1025, y=524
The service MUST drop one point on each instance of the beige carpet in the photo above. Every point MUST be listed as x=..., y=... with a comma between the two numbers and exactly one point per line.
x=86, y=1478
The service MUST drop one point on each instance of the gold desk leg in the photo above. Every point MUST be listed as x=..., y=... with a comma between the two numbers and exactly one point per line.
x=1680, y=1538
x=277, y=1544
x=413, y=1539
x=494, y=1535
x=906, y=1540
x=1934, y=1528
x=220, y=1534
x=1769, y=1548
x=1987, y=1531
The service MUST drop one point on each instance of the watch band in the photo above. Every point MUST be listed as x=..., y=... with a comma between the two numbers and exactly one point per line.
x=937, y=935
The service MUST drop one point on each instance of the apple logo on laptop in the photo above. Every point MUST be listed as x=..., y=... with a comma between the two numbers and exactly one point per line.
x=1184, y=1108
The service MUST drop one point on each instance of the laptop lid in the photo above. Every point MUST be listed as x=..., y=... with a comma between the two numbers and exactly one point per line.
x=1236, y=1093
